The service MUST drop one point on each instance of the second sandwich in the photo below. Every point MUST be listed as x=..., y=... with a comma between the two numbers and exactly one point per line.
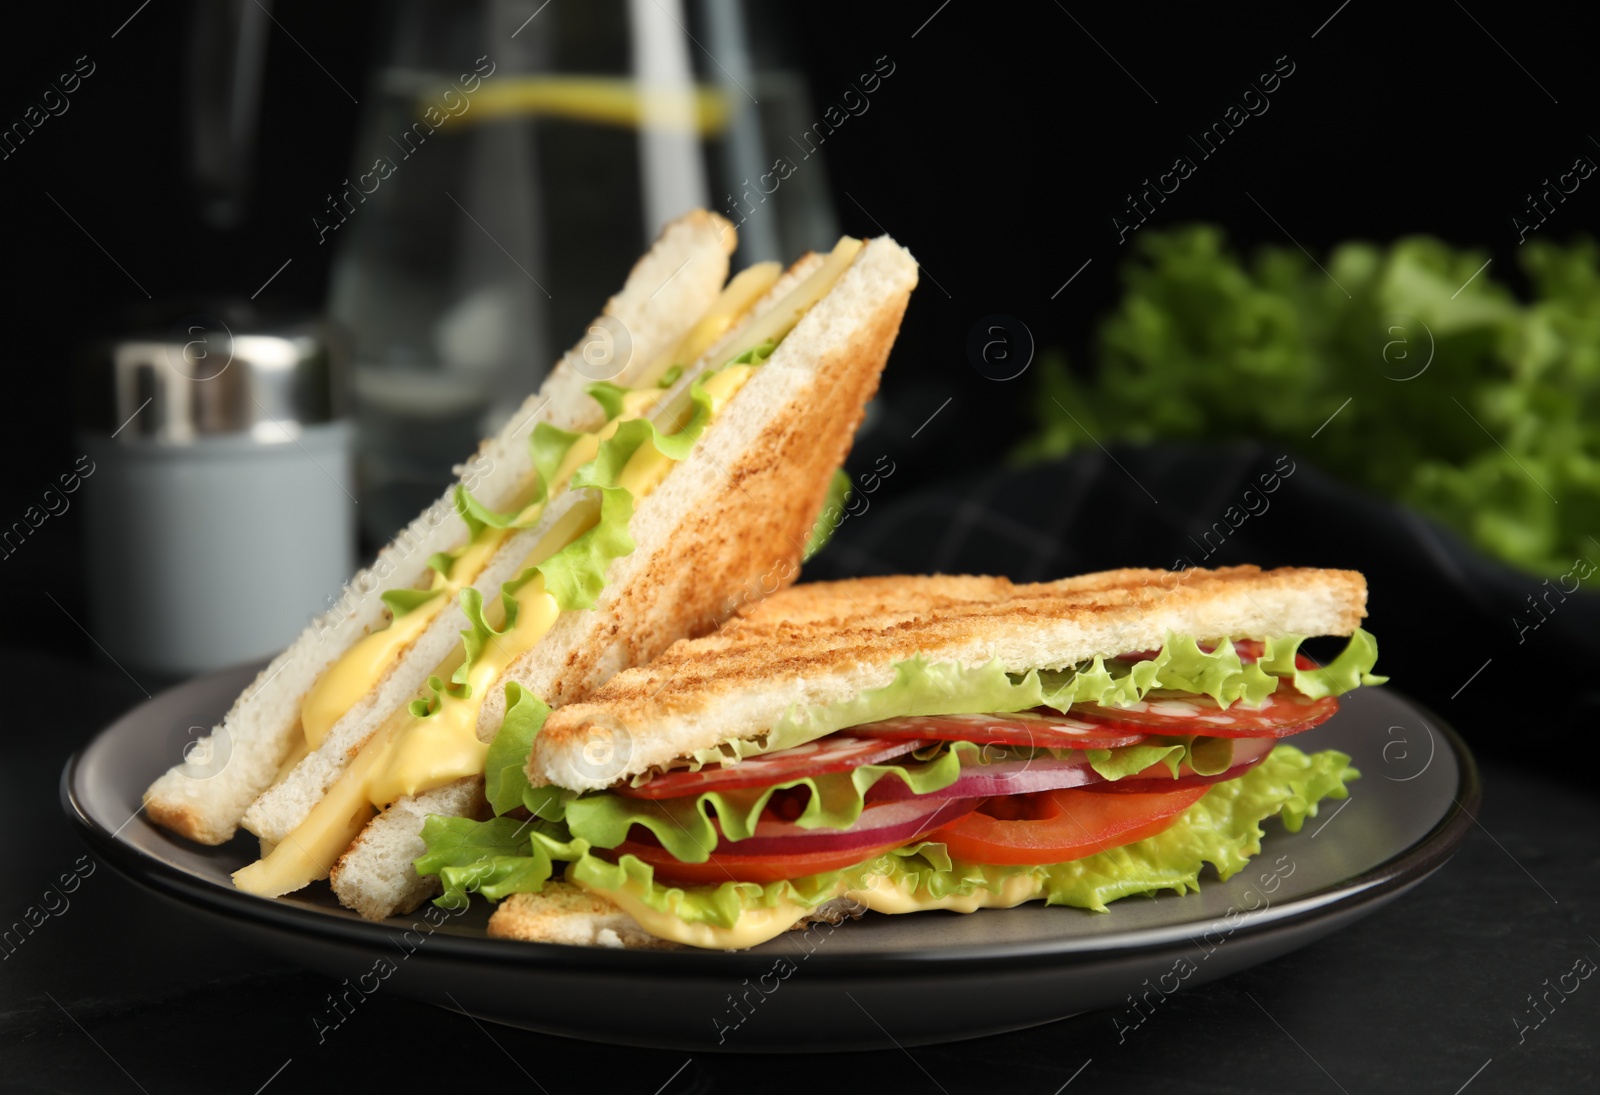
x=693, y=490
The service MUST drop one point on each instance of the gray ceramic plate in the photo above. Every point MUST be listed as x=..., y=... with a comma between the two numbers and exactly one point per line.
x=857, y=986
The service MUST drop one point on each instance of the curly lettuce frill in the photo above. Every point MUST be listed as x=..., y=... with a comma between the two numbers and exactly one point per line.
x=923, y=688
x=835, y=801
x=505, y=856
x=548, y=446
x=576, y=575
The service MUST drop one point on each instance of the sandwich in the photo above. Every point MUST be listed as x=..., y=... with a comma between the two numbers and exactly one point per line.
x=919, y=743
x=608, y=519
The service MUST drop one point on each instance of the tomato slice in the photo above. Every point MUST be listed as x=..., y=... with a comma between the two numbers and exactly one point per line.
x=1060, y=826
x=746, y=868
x=1180, y=714
x=834, y=753
x=1040, y=729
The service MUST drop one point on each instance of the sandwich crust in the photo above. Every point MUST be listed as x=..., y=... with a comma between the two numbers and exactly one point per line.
x=831, y=641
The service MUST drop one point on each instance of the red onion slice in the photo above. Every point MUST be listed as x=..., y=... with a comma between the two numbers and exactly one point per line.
x=898, y=822
x=1002, y=777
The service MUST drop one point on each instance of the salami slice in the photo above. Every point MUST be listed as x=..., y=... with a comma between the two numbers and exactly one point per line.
x=1039, y=729
x=1173, y=714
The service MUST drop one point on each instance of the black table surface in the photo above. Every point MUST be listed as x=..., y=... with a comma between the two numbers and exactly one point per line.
x=1476, y=979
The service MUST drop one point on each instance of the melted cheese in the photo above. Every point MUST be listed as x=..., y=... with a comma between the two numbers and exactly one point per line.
x=359, y=669
x=886, y=898
x=409, y=754
x=641, y=401
x=298, y=751
x=647, y=467
x=635, y=404
x=747, y=287
x=758, y=925
x=308, y=853
x=754, y=926
x=583, y=450
x=445, y=746
x=726, y=384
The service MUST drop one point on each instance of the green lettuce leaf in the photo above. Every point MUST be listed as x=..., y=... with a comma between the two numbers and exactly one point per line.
x=1206, y=756
x=1223, y=829
x=757, y=354
x=1351, y=669
x=1181, y=666
x=548, y=446
x=548, y=801
x=684, y=826
x=496, y=858
x=615, y=452
x=1127, y=760
x=670, y=377
x=832, y=515
x=1206, y=342
x=919, y=688
x=479, y=516
x=504, y=779
x=719, y=905
x=609, y=396
x=922, y=688
x=402, y=601
x=575, y=575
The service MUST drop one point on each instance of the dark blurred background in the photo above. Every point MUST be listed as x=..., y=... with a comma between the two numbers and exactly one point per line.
x=1004, y=150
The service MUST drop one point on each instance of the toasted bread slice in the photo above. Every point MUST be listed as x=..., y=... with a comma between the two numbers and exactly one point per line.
x=564, y=913
x=375, y=877
x=667, y=290
x=728, y=524
x=830, y=642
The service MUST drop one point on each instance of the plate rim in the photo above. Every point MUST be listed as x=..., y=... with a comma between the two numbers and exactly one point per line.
x=1400, y=871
